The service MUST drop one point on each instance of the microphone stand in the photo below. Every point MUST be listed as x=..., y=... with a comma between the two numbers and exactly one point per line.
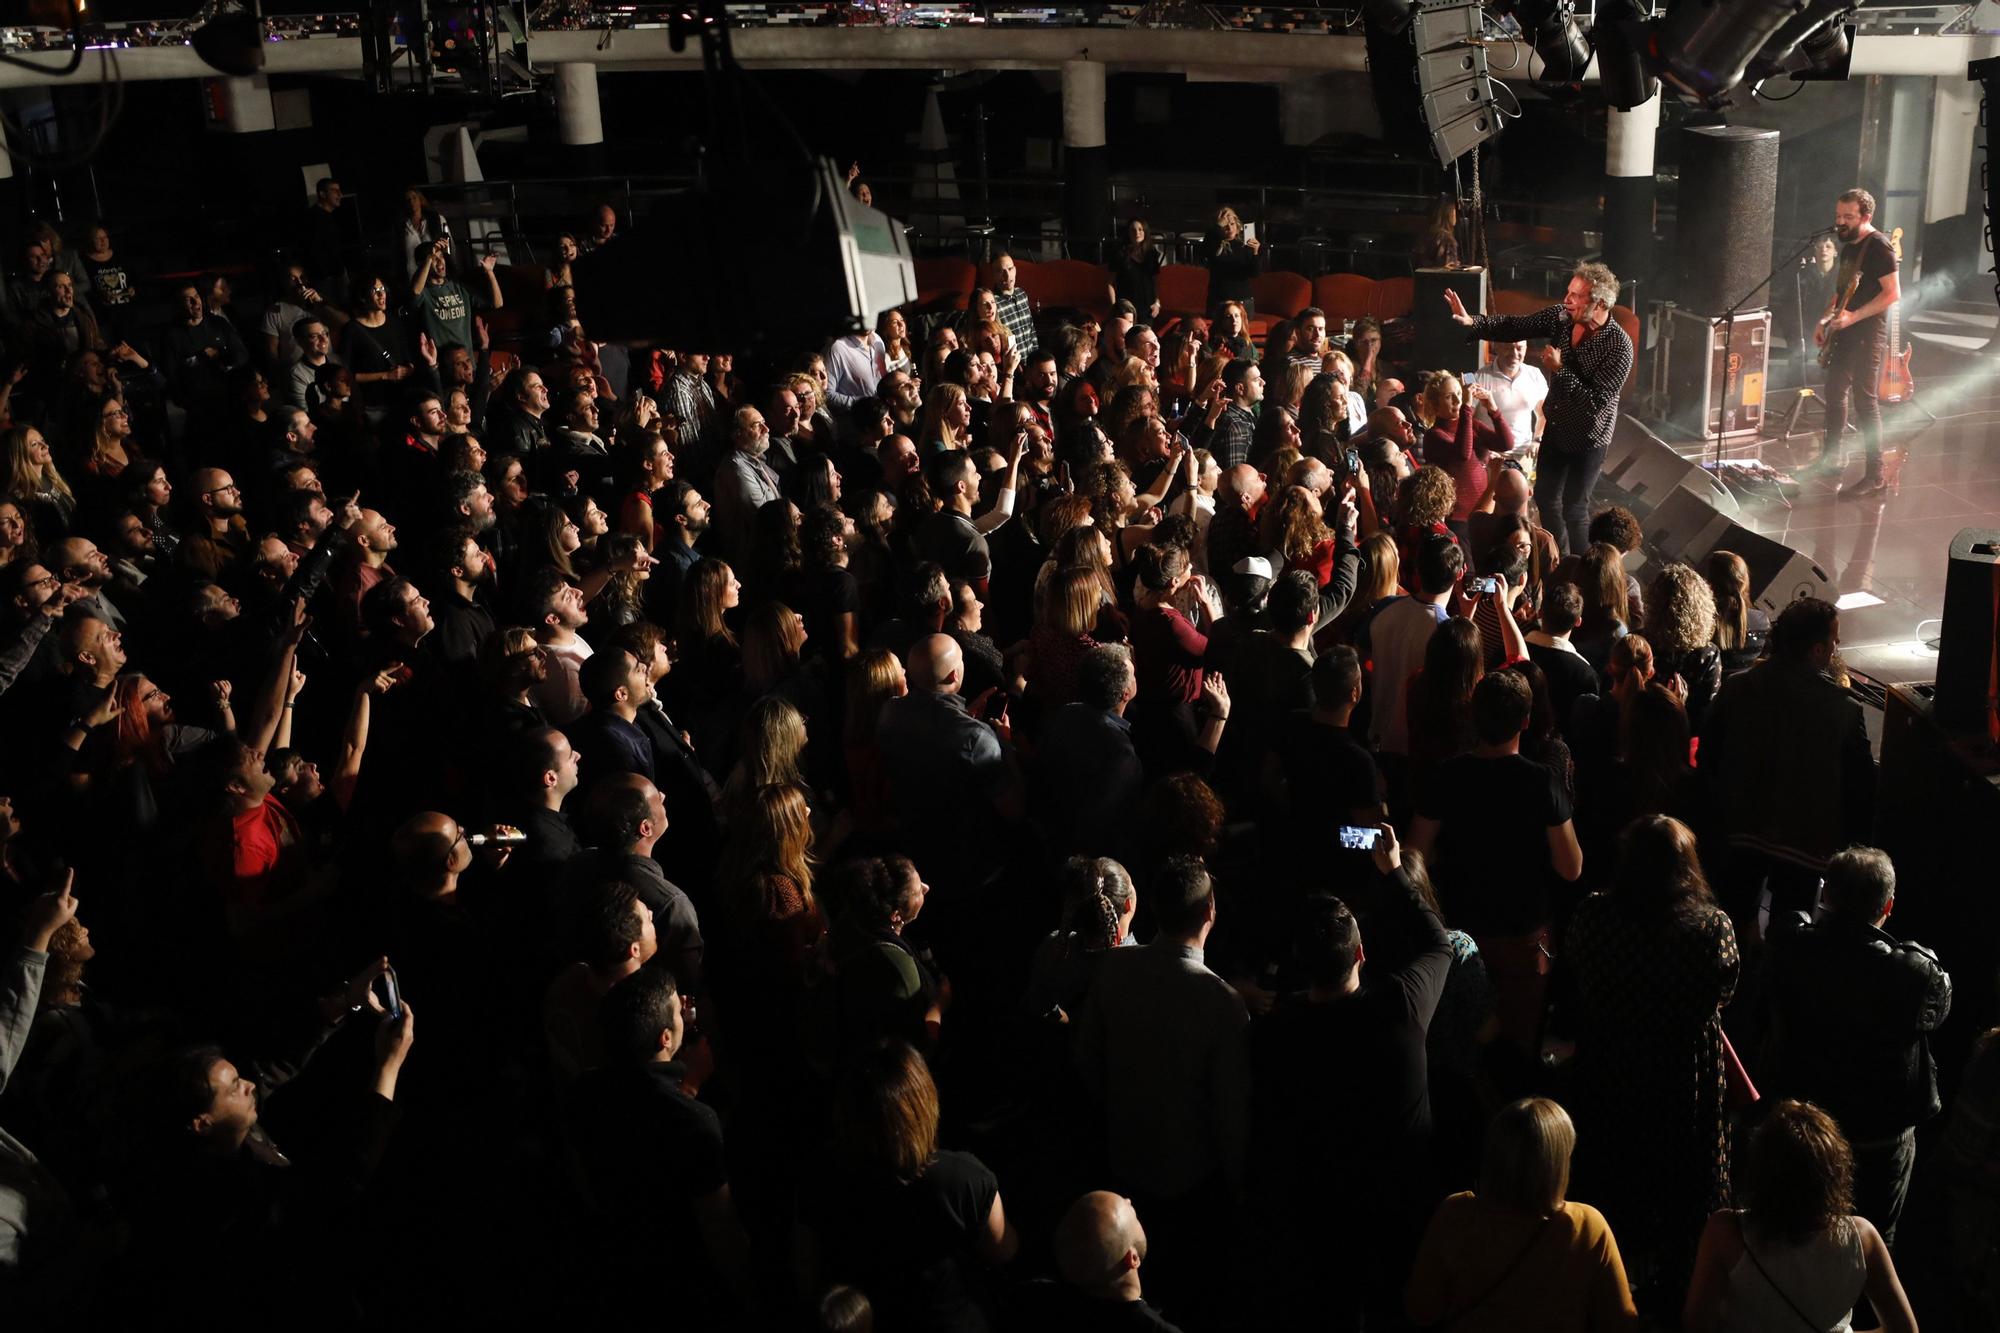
x=1721, y=400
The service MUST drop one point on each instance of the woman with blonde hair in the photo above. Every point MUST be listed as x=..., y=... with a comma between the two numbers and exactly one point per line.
x=1517, y=1252
x=1680, y=624
x=770, y=749
x=1233, y=261
x=32, y=479
x=1132, y=373
x=873, y=678
x=1064, y=625
x=947, y=420
x=1797, y=1256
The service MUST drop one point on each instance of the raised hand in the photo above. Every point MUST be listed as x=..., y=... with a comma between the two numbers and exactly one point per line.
x=48, y=914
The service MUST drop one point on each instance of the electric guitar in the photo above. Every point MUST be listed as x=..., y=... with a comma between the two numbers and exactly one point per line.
x=1824, y=333
x=1896, y=385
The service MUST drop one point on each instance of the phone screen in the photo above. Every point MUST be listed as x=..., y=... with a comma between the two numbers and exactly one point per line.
x=392, y=994
x=1358, y=839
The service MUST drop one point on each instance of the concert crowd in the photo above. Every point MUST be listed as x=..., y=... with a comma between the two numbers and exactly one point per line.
x=1010, y=819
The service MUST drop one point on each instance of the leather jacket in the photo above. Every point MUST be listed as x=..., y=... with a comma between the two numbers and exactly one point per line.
x=1853, y=1010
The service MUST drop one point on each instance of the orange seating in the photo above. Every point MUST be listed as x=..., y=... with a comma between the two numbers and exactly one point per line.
x=1516, y=303
x=1066, y=284
x=1393, y=298
x=1183, y=290
x=950, y=280
x=1280, y=295
x=1343, y=296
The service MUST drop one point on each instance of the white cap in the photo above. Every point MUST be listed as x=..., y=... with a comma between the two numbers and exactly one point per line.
x=1254, y=565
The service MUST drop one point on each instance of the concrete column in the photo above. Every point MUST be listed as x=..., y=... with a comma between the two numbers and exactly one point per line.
x=1628, y=188
x=1086, y=160
x=579, y=121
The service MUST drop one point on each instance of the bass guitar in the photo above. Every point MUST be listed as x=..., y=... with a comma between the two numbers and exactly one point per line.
x=1896, y=386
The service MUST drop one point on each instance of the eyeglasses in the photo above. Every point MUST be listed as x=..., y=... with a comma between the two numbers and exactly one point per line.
x=224, y=490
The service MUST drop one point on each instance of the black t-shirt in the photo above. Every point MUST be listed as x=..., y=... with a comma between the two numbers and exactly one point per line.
x=950, y=538
x=1492, y=857
x=907, y=1245
x=822, y=596
x=651, y=1152
x=1326, y=771
x=1049, y=1307
x=1873, y=260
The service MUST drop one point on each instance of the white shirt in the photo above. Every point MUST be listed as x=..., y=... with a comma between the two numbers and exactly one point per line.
x=560, y=694
x=854, y=368
x=1516, y=398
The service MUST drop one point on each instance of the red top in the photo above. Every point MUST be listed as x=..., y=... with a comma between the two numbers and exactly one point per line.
x=1462, y=452
x=256, y=860
x=1167, y=652
x=1319, y=564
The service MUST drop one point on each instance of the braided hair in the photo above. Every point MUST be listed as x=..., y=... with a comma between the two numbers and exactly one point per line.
x=1097, y=892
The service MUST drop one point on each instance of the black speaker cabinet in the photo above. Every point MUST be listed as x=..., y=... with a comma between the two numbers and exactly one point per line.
x=1727, y=208
x=1440, y=343
x=1686, y=527
x=1968, y=670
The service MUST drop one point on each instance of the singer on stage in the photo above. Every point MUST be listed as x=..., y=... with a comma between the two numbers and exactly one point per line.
x=1587, y=358
x=1866, y=286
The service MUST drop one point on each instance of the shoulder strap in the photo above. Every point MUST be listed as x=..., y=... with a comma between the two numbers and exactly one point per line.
x=1498, y=1282
x=1804, y=1318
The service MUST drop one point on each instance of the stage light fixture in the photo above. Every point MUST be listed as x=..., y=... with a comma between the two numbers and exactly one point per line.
x=1811, y=43
x=1550, y=28
x=1621, y=68
x=1702, y=48
x=232, y=42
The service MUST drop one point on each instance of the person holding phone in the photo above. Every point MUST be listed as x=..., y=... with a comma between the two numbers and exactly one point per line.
x=1234, y=259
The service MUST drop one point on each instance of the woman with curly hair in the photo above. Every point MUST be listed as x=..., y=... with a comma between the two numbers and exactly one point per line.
x=886, y=986
x=1424, y=500
x=1797, y=1255
x=1680, y=624
x=17, y=536
x=1655, y=962
x=1128, y=405
x=822, y=589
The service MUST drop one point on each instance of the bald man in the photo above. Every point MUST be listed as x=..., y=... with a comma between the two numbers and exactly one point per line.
x=952, y=777
x=1239, y=502
x=216, y=536
x=430, y=852
x=1099, y=1247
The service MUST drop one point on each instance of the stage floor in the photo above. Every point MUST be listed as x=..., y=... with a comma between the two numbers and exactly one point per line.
x=1894, y=549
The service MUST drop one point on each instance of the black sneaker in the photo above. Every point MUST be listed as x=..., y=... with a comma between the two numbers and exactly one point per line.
x=1868, y=487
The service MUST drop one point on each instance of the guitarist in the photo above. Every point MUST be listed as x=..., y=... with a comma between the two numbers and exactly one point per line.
x=1856, y=331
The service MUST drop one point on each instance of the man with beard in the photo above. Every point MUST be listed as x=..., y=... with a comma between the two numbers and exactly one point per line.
x=1858, y=332
x=411, y=470
x=216, y=537
x=457, y=571
x=1036, y=386
x=555, y=612
x=78, y=562
x=680, y=517
x=903, y=395
x=744, y=484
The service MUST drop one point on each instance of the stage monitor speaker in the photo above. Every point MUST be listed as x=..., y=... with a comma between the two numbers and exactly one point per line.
x=1695, y=362
x=1686, y=528
x=1728, y=205
x=1968, y=669
x=1440, y=343
x=1641, y=470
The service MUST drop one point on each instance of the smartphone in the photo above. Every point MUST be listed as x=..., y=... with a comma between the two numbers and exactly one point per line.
x=1482, y=583
x=995, y=706
x=1352, y=461
x=1355, y=838
x=391, y=993
x=1249, y=231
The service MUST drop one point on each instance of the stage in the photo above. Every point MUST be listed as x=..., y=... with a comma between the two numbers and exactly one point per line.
x=1894, y=549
